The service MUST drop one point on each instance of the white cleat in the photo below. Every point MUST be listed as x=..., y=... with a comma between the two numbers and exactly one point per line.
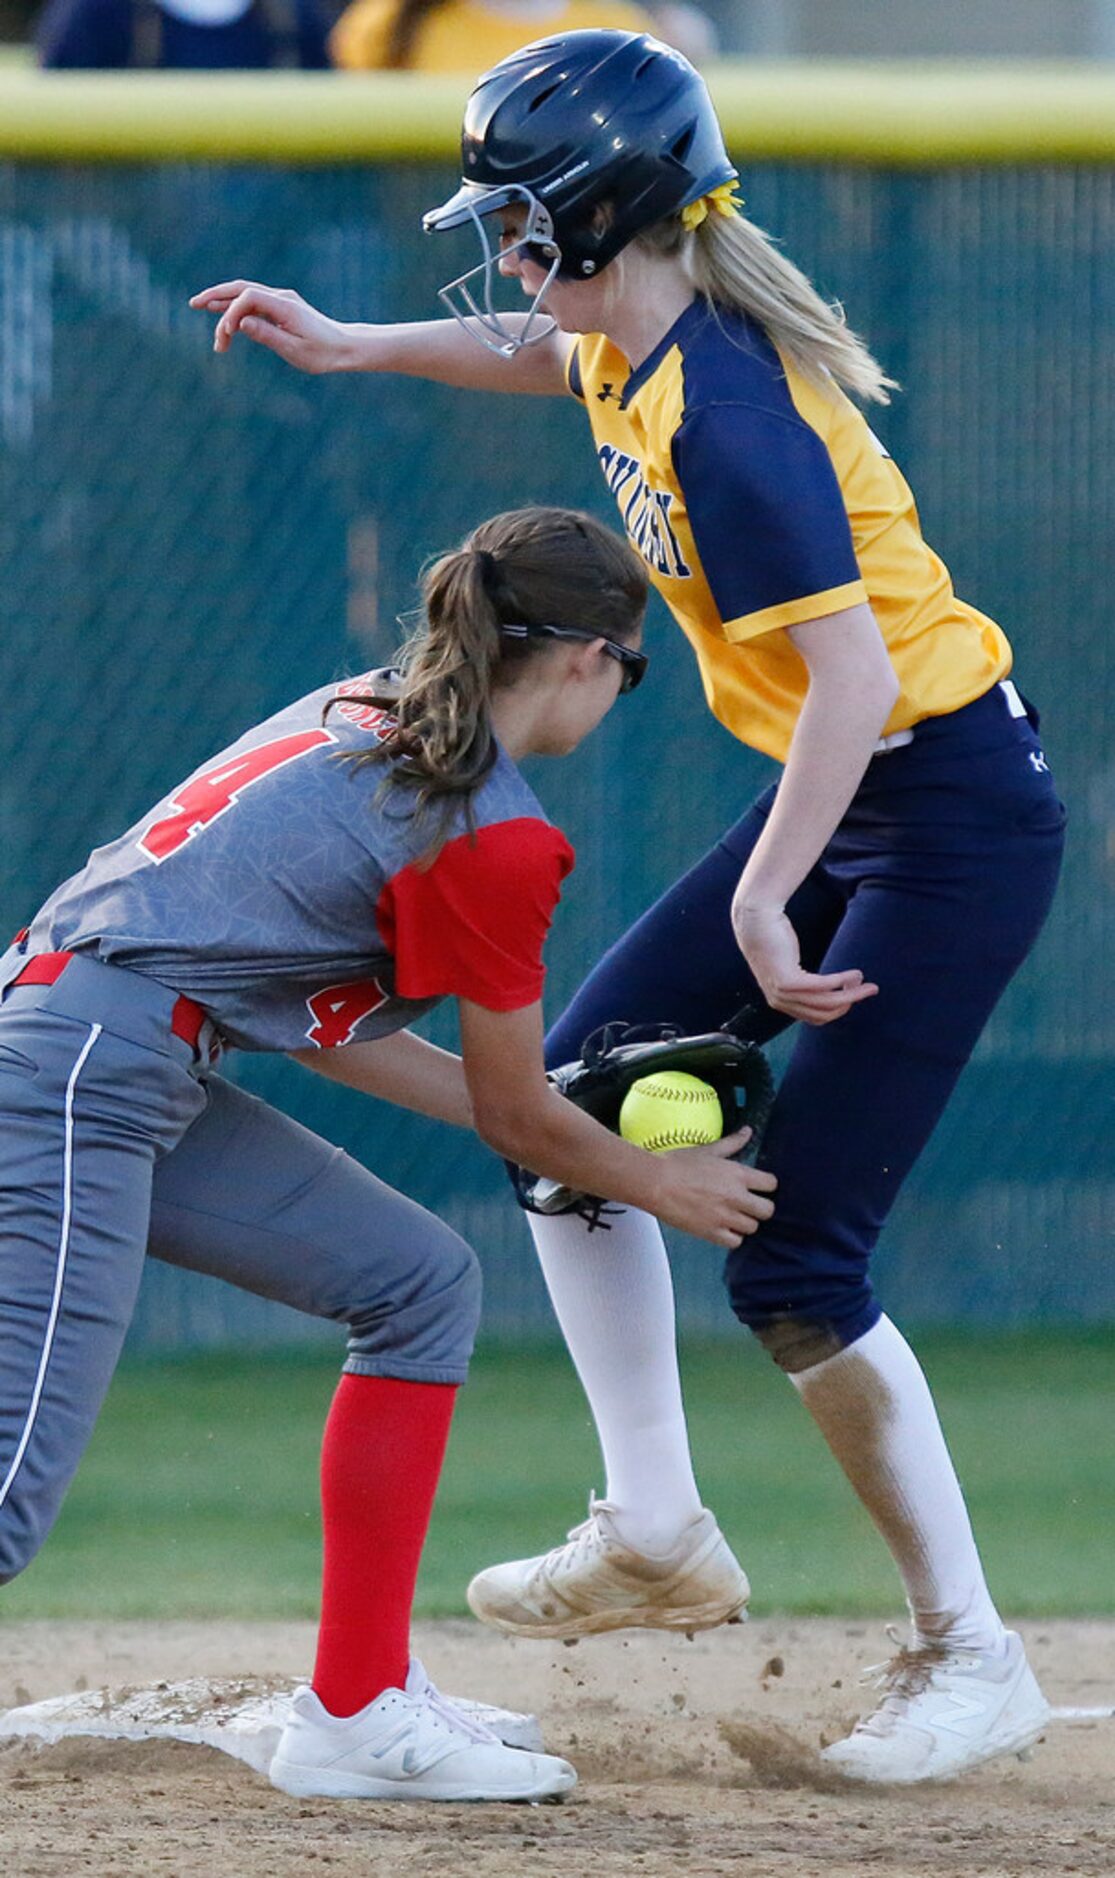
x=944, y=1710
x=596, y=1582
x=409, y=1744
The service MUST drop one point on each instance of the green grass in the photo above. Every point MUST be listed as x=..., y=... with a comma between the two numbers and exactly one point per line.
x=198, y=1495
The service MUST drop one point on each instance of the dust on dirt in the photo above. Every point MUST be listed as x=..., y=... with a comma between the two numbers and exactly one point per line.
x=697, y=1758
x=776, y=1758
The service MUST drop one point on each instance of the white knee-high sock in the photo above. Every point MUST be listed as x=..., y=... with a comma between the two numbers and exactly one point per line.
x=614, y=1299
x=873, y=1406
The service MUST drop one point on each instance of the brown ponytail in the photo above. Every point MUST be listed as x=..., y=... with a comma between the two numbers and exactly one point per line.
x=536, y=566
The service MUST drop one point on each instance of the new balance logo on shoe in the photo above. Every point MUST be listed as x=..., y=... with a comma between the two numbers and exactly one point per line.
x=969, y=1709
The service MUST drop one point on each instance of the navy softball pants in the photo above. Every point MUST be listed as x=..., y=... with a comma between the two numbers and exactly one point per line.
x=116, y=1141
x=935, y=885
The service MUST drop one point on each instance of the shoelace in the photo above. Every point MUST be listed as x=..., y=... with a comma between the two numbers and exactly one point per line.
x=420, y=1686
x=585, y=1538
x=904, y=1675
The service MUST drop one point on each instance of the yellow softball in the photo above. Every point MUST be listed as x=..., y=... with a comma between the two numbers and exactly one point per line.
x=671, y=1110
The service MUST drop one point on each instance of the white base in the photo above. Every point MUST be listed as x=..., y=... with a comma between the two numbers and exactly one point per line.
x=207, y=1712
x=203, y=1712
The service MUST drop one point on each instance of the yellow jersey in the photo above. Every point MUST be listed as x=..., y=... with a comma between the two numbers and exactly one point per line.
x=463, y=36
x=758, y=501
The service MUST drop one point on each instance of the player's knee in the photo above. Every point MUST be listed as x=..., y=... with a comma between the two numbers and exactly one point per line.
x=18, y=1546
x=802, y=1313
x=458, y=1293
x=428, y=1322
x=798, y=1343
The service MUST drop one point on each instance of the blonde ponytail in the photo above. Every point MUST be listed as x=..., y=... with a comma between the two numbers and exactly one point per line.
x=735, y=265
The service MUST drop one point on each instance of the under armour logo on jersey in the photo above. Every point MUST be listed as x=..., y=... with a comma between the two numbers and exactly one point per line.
x=645, y=512
x=609, y=391
x=1038, y=762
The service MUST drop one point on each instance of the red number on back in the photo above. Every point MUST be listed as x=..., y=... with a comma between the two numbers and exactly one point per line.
x=339, y=1008
x=209, y=795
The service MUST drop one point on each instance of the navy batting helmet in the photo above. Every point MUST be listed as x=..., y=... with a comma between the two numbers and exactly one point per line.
x=598, y=134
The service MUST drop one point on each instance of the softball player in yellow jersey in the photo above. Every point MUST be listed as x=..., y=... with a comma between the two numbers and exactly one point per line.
x=712, y=434
x=882, y=894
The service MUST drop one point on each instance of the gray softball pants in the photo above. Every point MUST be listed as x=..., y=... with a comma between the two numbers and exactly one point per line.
x=117, y=1140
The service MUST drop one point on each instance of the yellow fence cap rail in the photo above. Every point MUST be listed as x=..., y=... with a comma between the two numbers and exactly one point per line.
x=879, y=112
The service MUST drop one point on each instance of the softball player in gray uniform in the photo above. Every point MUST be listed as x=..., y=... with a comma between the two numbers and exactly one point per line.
x=364, y=853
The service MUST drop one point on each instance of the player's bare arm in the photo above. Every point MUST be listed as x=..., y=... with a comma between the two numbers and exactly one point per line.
x=520, y=1115
x=403, y=1069
x=852, y=689
x=280, y=320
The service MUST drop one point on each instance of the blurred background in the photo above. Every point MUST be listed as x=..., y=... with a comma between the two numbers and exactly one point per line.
x=861, y=28
x=187, y=542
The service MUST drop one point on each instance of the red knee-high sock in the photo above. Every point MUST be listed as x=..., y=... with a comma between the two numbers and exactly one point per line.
x=380, y=1462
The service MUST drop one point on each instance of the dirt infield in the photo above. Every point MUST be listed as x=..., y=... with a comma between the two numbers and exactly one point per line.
x=695, y=1758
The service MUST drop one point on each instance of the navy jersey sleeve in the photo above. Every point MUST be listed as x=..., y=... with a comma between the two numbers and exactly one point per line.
x=573, y=374
x=767, y=516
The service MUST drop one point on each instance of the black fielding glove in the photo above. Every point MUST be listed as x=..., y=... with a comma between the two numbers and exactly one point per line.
x=618, y=1055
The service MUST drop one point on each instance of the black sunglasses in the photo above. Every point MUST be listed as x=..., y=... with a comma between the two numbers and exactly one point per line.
x=633, y=664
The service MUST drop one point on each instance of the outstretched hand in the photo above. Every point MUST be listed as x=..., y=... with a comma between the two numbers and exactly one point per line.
x=278, y=319
x=770, y=945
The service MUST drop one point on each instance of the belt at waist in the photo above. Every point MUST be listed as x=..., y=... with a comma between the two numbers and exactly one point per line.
x=186, y=1017
x=899, y=738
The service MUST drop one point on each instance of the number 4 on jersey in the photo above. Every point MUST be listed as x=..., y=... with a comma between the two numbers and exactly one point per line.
x=208, y=795
x=338, y=1009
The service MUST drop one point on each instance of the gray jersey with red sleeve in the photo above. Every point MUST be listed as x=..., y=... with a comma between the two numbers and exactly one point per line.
x=276, y=890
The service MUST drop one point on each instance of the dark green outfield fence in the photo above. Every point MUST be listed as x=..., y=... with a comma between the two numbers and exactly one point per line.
x=187, y=542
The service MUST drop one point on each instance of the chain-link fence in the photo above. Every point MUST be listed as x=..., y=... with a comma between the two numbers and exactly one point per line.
x=187, y=542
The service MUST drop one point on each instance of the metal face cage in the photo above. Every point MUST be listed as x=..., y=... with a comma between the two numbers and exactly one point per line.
x=480, y=317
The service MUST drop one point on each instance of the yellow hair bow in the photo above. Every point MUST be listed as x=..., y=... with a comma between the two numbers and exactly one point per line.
x=720, y=201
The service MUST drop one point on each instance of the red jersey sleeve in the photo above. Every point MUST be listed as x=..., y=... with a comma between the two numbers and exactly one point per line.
x=474, y=924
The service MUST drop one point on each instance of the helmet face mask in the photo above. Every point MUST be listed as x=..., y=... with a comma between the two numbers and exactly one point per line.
x=485, y=323
x=600, y=134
